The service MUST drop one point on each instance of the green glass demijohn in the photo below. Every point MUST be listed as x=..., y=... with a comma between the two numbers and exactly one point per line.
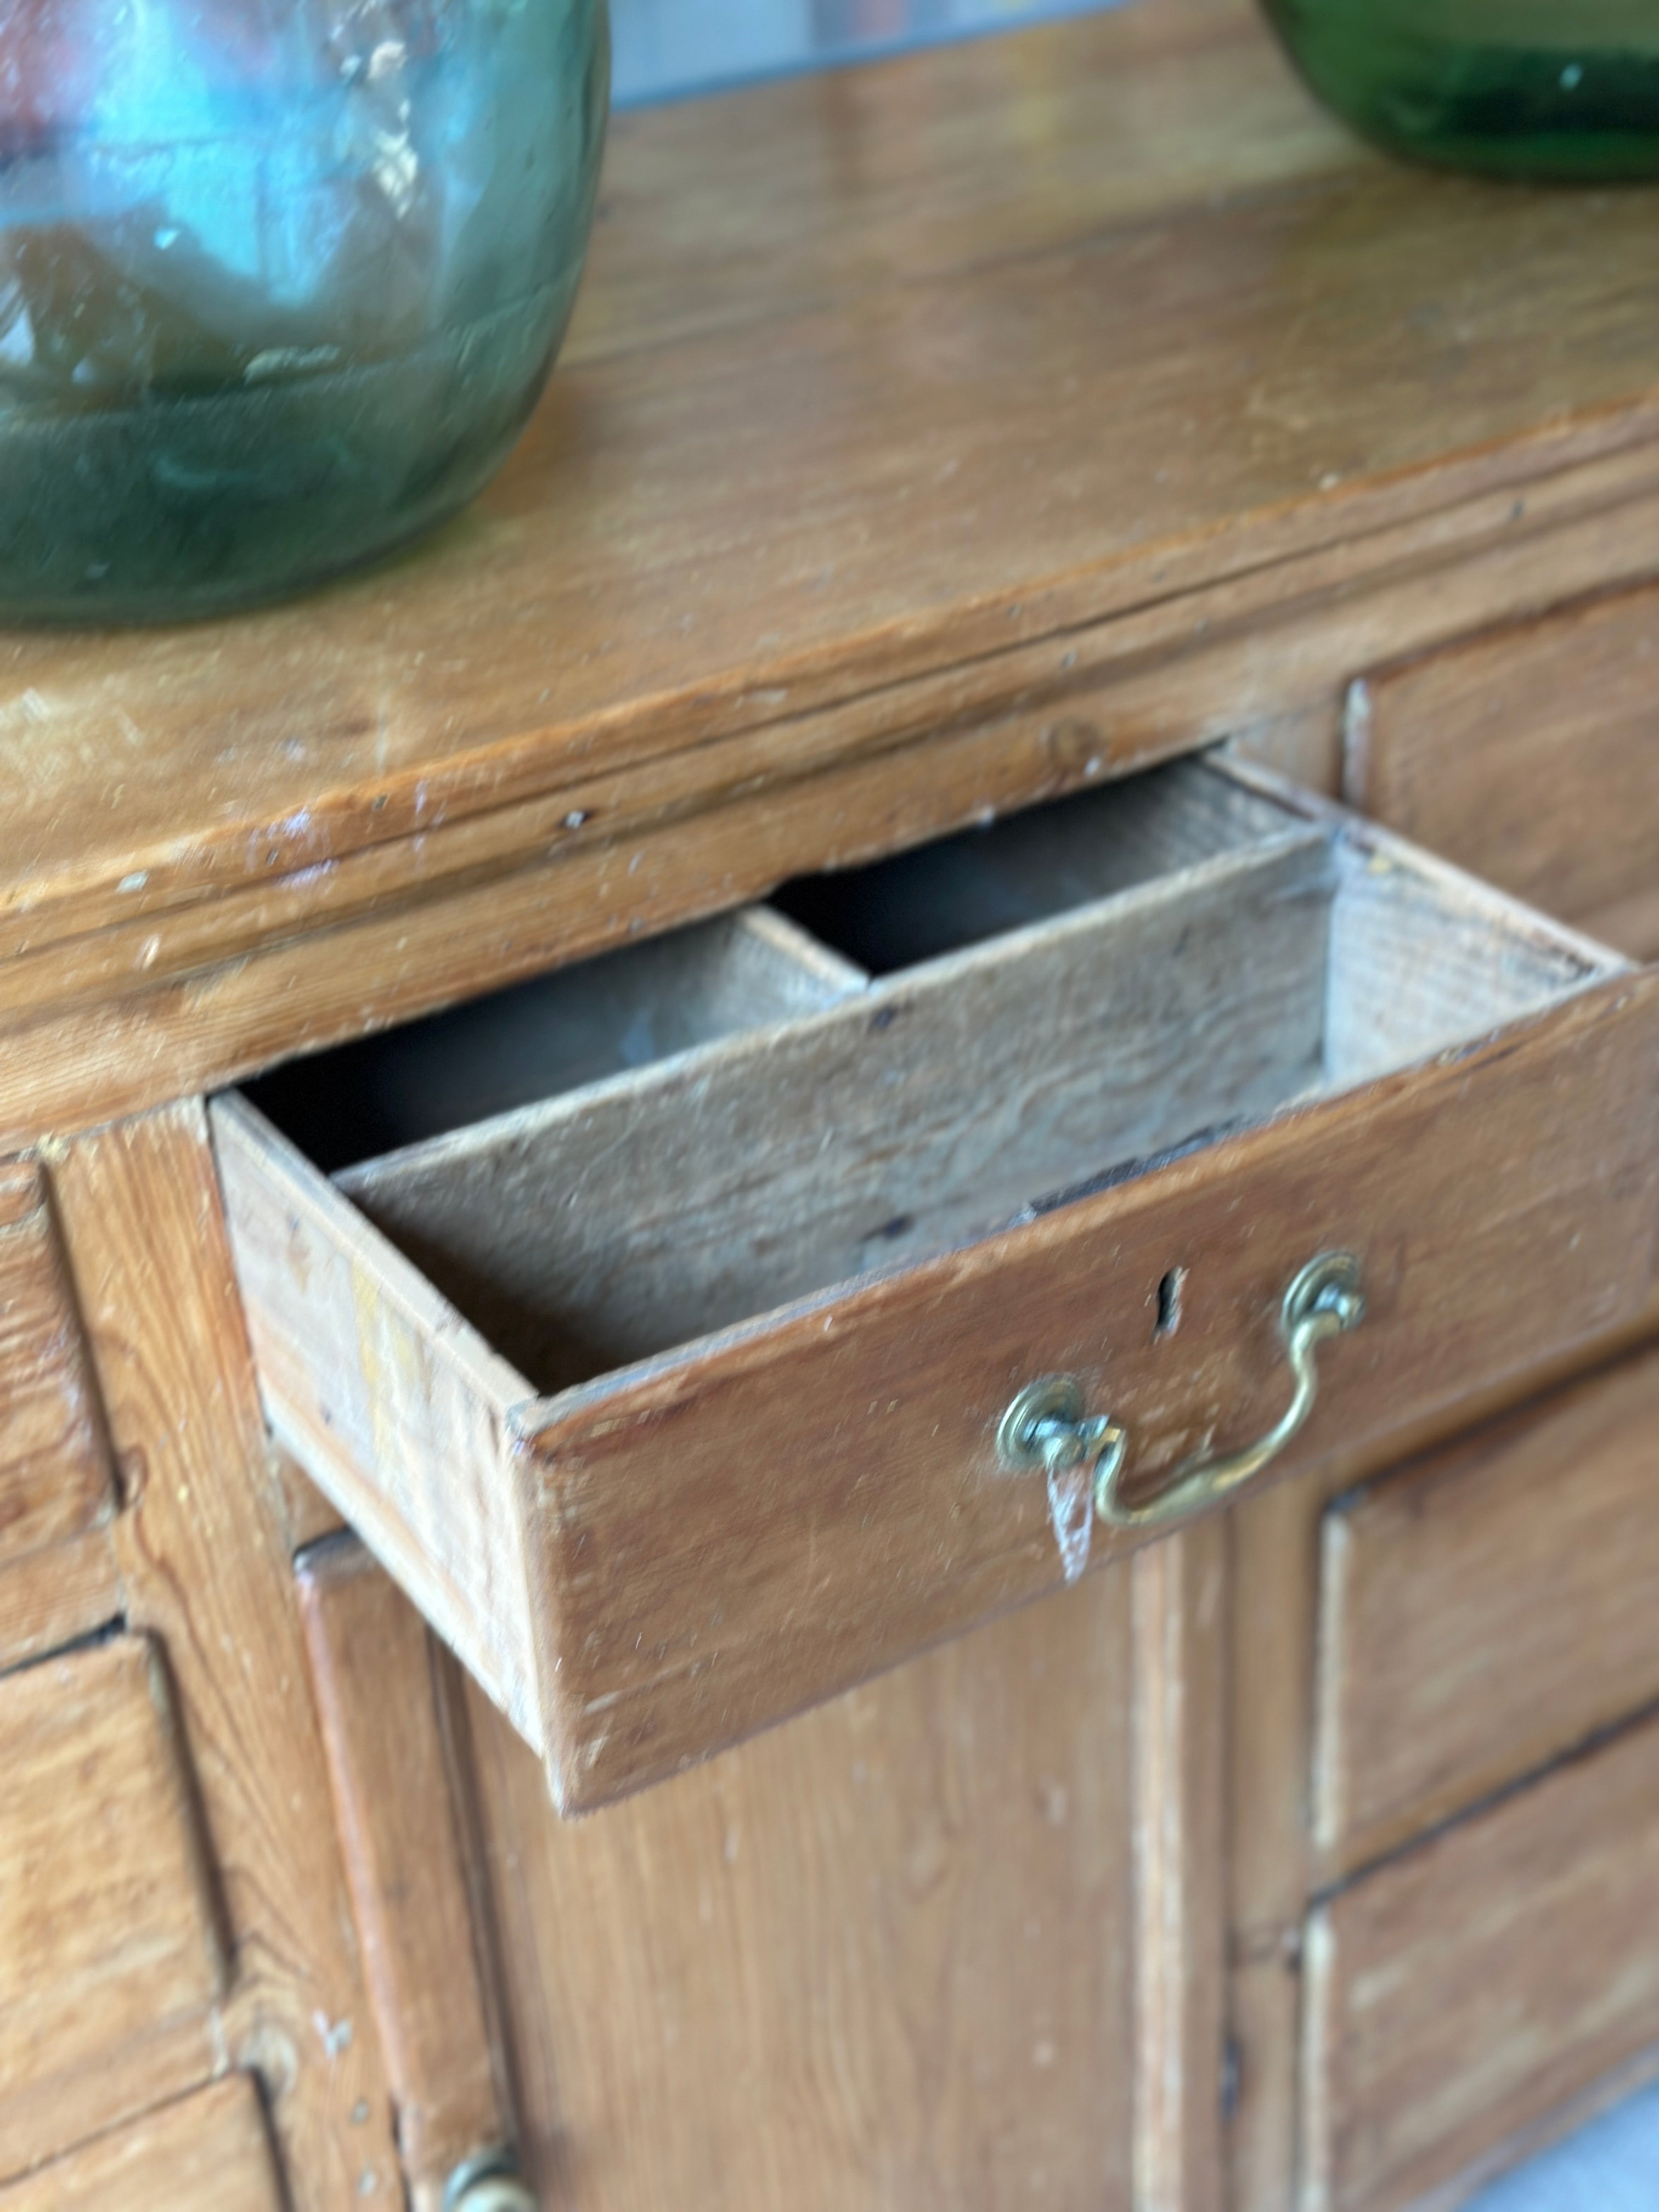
x=281, y=281
x=1544, y=89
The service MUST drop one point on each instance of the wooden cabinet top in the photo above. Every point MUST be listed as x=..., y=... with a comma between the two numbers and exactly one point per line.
x=921, y=423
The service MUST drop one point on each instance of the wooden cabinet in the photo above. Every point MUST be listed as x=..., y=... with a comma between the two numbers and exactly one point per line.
x=789, y=1000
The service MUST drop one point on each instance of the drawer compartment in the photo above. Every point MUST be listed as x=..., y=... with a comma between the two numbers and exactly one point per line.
x=673, y=1399
x=111, y=1962
x=1487, y=1609
x=1483, y=1980
x=54, y=1462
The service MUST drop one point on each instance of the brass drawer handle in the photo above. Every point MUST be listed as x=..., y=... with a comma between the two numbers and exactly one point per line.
x=1046, y=1425
x=489, y=2182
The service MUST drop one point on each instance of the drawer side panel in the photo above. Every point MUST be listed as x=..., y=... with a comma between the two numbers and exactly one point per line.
x=387, y=1399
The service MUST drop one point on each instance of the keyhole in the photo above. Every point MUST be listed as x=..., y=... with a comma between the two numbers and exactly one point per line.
x=1168, y=1304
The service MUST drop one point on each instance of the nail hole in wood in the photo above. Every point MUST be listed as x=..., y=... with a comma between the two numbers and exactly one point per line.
x=1168, y=1304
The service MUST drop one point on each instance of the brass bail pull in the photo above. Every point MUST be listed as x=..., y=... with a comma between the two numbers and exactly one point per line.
x=1046, y=1427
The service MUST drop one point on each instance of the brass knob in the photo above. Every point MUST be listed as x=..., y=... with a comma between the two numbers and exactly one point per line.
x=491, y=2182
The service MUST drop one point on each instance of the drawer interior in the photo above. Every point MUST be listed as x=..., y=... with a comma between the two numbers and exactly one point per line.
x=683, y=1136
x=557, y=1034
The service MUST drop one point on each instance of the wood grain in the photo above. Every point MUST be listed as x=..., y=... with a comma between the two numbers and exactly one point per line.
x=51, y=1598
x=384, y=1691
x=108, y=1934
x=1480, y=1979
x=55, y=1477
x=882, y=1959
x=1531, y=755
x=906, y=445
x=209, y=2152
x=1180, y=1622
x=206, y=1570
x=1486, y=1610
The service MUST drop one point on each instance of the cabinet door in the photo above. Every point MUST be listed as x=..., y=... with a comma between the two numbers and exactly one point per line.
x=951, y=1944
x=1479, y=1981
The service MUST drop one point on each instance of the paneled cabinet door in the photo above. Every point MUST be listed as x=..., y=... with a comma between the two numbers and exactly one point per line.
x=951, y=1944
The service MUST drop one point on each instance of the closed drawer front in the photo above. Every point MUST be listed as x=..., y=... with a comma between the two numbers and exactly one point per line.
x=673, y=1398
x=1461, y=1993
x=1531, y=756
x=1487, y=1609
x=54, y=1463
x=209, y=2152
x=110, y=1960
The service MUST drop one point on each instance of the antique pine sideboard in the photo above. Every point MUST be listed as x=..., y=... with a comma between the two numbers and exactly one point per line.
x=948, y=454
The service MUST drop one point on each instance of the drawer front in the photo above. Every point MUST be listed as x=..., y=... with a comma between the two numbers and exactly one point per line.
x=54, y=1462
x=1485, y=1610
x=1531, y=756
x=1482, y=1980
x=648, y=1565
x=109, y=1947
x=209, y=2152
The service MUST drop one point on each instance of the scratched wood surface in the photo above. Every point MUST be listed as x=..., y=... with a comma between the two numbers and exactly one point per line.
x=112, y=1960
x=209, y=2152
x=1040, y=379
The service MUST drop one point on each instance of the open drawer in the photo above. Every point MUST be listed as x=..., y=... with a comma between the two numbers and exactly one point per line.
x=664, y=1348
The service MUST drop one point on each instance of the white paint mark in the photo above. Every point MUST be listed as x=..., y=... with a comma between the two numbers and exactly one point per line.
x=1072, y=1512
x=337, y=2035
x=135, y=882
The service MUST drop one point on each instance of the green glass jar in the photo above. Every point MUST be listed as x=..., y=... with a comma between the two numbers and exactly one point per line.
x=281, y=281
x=1545, y=88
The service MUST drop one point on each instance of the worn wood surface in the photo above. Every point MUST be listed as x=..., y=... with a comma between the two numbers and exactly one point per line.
x=685, y=1596
x=1486, y=1610
x=55, y=1478
x=1531, y=755
x=880, y=1959
x=624, y=1220
x=206, y=1571
x=1469, y=1985
x=110, y=1957
x=384, y=1691
x=970, y=425
x=1180, y=1615
x=208, y=2152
